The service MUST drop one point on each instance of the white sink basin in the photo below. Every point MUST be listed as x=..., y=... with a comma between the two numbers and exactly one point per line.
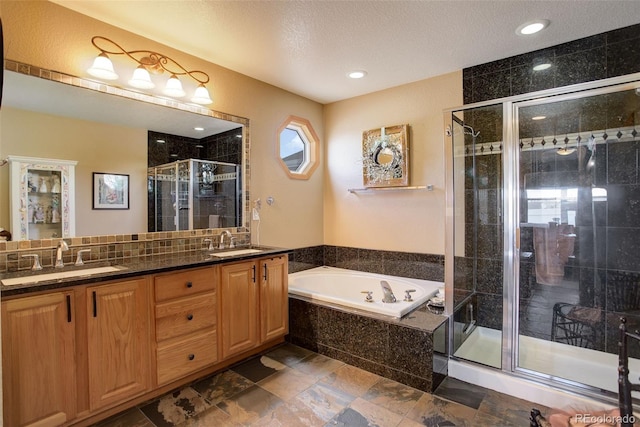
x=35, y=278
x=236, y=253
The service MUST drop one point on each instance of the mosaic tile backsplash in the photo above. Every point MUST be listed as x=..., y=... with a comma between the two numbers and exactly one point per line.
x=117, y=248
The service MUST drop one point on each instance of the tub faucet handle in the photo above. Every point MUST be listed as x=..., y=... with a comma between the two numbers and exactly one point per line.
x=407, y=295
x=368, y=298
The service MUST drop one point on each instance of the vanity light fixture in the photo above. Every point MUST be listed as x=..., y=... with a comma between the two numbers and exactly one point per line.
x=532, y=27
x=148, y=62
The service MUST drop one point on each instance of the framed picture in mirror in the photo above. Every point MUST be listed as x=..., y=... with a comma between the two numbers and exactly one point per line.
x=385, y=157
x=110, y=191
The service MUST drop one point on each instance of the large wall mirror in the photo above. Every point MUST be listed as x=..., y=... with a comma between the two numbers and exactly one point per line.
x=112, y=131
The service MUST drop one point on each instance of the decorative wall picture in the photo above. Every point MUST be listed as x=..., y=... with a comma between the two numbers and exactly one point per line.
x=110, y=191
x=385, y=153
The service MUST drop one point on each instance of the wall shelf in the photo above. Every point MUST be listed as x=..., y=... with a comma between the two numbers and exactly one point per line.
x=374, y=189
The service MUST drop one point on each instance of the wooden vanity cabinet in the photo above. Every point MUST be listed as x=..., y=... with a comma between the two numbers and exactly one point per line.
x=253, y=303
x=186, y=322
x=118, y=346
x=38, y=360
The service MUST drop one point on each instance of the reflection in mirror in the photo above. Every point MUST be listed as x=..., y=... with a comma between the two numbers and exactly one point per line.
x=111, y=133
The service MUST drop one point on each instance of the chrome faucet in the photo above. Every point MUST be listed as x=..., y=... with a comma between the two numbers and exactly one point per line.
x=388, y=293
x=62, y=246
x=225, y=233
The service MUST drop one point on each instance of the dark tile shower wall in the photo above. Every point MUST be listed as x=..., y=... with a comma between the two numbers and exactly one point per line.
x=617, y=221
x=223, y=147
x=611, y=54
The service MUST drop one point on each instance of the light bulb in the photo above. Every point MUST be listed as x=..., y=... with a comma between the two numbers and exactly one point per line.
x=201, y=96
x=141, y=79
x=174, y=87
x=102, y=68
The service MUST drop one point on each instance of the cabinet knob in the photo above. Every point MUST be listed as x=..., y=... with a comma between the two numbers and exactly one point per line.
x=189, y=285
x=192, y=356
x=189, y=316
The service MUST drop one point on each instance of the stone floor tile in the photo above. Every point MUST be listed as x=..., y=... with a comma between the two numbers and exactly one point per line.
x=290, y=414
x=376, y=415
x=287, y=383
x=258, y=368
x=250, y=405
x=175, y=408
x=352, y=380
x=325, y=401
x=508, y=408
x=289, y=354
x=211, y=417
x=221, y=386
x=459, y=391
x=432, y=411
x=317, y=365
x=392, y=395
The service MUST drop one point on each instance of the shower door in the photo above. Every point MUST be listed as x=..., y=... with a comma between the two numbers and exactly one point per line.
x=477, y=230
x=578, y=215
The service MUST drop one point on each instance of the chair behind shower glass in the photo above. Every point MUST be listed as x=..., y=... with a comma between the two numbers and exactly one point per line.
x=625, y=387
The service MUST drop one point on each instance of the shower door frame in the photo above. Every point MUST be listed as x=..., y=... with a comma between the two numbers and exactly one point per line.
x=511, y=222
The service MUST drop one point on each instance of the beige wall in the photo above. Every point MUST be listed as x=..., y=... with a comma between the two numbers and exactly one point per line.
x=50, y=36
x=96, y=147
x=407, y=221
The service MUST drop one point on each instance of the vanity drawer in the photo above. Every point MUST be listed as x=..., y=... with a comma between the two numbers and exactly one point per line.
x=185, y=315
x=180, y=358
x=176, y=285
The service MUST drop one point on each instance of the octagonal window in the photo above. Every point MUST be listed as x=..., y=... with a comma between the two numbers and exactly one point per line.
x=297, y=147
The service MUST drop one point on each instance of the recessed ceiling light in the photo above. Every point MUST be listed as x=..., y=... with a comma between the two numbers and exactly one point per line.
x=532, y=27
x=160, y=141
x=173, y=155
x=198, y=128
x=357, y=74
x=538, y=118
x=541, y=67
x=199, y=146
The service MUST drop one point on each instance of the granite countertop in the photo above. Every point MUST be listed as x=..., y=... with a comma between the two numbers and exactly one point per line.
x=151, y=265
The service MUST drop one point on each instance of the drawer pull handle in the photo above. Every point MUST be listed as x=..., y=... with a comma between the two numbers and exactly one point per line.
x=189, y=285
x=192, y=356
x=189, y=316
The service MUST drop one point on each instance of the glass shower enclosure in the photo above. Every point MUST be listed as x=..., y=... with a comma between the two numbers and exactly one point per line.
x=193, y=194
x=543, y=233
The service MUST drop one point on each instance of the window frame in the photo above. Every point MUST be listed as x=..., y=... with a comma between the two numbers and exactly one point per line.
x=311, y=146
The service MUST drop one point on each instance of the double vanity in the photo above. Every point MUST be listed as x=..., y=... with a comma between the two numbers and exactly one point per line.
x=87, y=343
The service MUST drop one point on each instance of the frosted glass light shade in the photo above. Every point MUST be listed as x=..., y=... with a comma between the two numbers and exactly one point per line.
x=174, y=87
x=102, y=68
x=141, y=79
x=201, y=96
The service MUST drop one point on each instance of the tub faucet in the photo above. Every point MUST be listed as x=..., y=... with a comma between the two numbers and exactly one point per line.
x=225, y=233
x=62, y=246
x=388, y=293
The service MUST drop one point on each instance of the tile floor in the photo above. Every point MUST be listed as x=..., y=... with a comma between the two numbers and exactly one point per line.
x=291, y=386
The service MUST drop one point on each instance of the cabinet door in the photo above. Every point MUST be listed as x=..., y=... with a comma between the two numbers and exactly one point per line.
x=238, y=307
x=118, y=341
x=38, y=360
x=273, y=298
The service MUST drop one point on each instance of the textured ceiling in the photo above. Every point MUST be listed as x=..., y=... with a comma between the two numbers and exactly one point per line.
x=307, y=47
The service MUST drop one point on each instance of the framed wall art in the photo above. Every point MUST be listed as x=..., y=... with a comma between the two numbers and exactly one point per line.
x=385, y=153
x=110, y=191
